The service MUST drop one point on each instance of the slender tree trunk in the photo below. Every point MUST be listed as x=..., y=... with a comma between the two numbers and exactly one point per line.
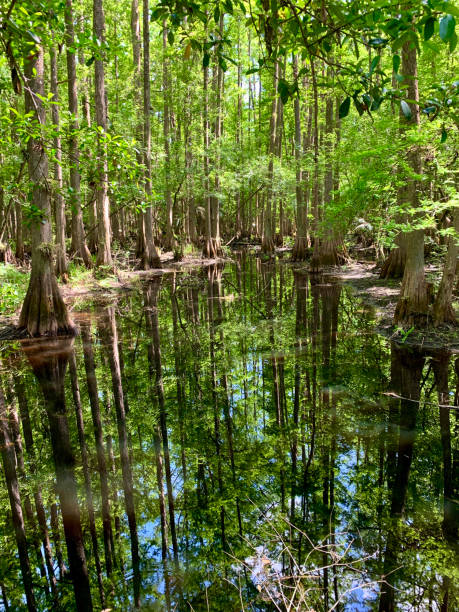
x=315, y=178
x=61, y=266
x=78, y=236
x=151, y=254
x=267, y=240
x=104, y=255
x=301, y=241
x=169, y=238
x=412, y=307
x=43, y=311
x=137, y=61
x=443, y=311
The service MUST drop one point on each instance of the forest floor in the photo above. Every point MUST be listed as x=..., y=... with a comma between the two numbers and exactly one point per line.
x=382, y=295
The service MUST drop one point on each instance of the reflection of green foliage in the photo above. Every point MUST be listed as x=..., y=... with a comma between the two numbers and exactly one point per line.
x=226, y=346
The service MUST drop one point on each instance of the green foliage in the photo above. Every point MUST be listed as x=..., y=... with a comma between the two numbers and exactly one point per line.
x=13, y=286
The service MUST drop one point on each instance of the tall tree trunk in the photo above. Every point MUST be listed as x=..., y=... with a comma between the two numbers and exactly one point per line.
x=315, y=177
x=267, y=240
x=150, y=254
x=61, y=266
x=443, y=311
x=169, y=238
x=412, y=307
x=104, y=255
x=43, y=311
x=301, y=241
x=78, y=237
x=137, y=61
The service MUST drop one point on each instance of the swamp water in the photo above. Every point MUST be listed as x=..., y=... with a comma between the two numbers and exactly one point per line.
x=236, y=438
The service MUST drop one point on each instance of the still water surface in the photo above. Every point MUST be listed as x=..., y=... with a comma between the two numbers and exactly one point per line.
x=237, y=438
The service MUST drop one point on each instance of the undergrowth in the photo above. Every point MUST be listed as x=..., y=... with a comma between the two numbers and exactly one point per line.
x=13, y=287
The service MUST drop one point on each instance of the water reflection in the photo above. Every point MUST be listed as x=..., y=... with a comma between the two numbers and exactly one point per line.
x=223, y=439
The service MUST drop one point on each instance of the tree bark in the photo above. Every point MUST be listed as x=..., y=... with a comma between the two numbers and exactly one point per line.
x=43, y=311
x=443, y=311
x=61, y=265
x=79, y=246
x=104, y=255
x=412, y=307
x=300, y=247
x=150, y=255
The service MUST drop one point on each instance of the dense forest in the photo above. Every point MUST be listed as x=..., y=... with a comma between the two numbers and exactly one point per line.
x=179, y=126
x=199, y=410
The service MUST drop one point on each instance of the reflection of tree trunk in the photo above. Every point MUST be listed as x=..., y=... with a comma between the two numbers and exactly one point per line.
x=28, y=439
x=409, y=365
x=49, y=361
x=21, y=473
x=86, y=472
x=110, y=336
x=93, y=392
x=151, y=303
x=214, y=273
x=9, y=466
x=54, y=521
x=440, y=363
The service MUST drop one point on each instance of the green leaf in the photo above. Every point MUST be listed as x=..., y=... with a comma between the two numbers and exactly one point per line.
x=429, y=28
x=283, y=90
x=170, y=37
x=444, y=135
x=375, y=61
x=447, y=25
x=34, y=37
x=395, y=63
x=217, y=14
x=452, y=42
x=90, y=60
x=344, y=107
x=205, y=60
x=406, y=110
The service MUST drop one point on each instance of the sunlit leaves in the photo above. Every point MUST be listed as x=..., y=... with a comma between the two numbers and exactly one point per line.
x=344, y=107
x=406, y=110
x=447, y=26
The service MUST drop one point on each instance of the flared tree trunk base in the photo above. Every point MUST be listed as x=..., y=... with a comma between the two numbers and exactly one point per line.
x=325, y=255
x=212, y=249
x=300, y=250
x=44, y=312
x=267, y=245
x=443, y=313
x=150, y=259
x=394, y=265
x=6, y=255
